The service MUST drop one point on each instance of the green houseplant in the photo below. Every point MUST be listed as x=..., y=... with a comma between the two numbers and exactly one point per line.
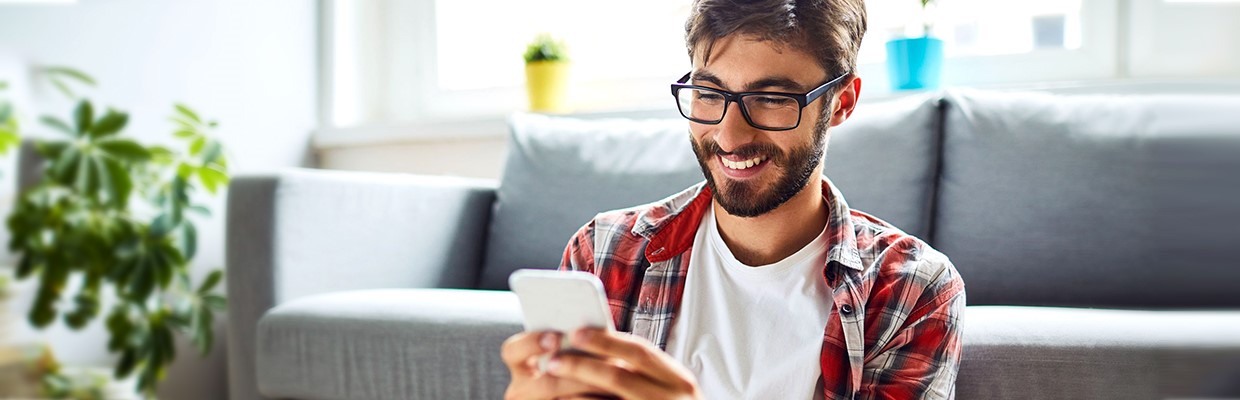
x=116, y=215
x=546, y=74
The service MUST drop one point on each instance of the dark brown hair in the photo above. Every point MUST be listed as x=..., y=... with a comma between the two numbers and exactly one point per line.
x=828, y=30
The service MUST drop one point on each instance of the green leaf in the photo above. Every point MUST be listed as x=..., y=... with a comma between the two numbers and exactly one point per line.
x=125, y=149
x=43, y=312
x=125, y=365
x=213, y=279
x=162, y=268
x=56, y=385
x=57, y=124
x=203, y=334
x=212, y=152
x=121, y=184
x=200, y=210
x=196, y=146
x=109, y=124
x=87, y=302
x=25, y=266
x=180, y=191
x=50, y=150
x=162, y=225
x=72, y=73
x=189, y=239
x=188, y=113
x=215, y=302
x=83, y=115
x=142, y=283
x=102, y=179
x=63, y=88
x=85, y=180
x=184, y=133
x=6, y=111
x=212, y=178
x=183, y=123
x=64, y=168
x=184, y=171
x=8, y=140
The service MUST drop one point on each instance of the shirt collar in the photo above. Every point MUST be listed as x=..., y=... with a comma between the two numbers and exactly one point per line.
x=670, y=226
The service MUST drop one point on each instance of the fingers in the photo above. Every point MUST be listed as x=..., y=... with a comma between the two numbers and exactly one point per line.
x=521, y=350
x=606, y=377
x=643, y=357
x=550, y=387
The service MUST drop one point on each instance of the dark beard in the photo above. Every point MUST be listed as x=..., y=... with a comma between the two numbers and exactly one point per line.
x=746, y=199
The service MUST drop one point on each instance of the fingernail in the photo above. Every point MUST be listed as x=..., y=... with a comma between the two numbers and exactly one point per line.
x=547, y=342
x=582, y=335
x=553, y=364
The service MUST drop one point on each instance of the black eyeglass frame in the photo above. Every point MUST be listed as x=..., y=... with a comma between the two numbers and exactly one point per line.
x=730, y=97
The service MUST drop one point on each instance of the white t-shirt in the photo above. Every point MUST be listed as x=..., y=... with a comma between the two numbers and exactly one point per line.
x=752, y=332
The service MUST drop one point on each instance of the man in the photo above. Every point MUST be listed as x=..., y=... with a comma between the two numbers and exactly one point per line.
x=761, y=282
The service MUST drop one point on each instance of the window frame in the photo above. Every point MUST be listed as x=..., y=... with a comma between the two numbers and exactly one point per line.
x=358, y=91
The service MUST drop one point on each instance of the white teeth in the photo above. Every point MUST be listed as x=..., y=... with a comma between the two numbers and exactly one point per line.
x=742, y=164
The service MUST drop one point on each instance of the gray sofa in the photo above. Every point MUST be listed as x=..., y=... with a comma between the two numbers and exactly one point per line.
x=1096, y=236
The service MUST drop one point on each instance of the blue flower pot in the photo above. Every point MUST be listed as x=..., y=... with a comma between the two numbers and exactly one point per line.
x=914, y=63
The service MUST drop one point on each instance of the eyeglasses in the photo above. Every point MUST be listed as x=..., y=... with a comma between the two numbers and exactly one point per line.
x=768, y=111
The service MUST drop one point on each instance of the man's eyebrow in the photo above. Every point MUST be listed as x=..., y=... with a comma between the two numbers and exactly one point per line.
x=773, y=82
x=708, y=78
x=764, y=83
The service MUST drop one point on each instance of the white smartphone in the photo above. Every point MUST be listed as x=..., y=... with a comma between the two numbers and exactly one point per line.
x=562, y=301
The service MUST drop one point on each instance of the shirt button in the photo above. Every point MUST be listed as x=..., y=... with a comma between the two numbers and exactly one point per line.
x=846, y=309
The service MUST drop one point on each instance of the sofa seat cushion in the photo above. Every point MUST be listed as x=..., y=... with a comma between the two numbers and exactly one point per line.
x=387, y=344
x=1016, y=352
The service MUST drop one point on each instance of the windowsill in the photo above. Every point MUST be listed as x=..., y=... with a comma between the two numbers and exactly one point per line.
x=492, y=127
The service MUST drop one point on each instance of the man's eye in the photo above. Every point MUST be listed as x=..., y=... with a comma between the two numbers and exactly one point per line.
x=708, y=97
x=774, y=101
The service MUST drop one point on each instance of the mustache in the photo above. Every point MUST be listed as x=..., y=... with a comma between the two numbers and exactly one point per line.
x=751, y=150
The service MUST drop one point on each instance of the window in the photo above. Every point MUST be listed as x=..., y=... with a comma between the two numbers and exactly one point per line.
x=394, y=62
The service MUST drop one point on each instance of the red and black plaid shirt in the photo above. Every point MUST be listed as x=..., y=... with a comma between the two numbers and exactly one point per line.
x=894, y=332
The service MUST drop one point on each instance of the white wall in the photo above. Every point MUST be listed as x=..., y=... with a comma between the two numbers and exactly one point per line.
x=249, y=64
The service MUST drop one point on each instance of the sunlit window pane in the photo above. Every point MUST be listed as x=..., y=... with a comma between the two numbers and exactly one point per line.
x=612, y=40
x=645, y=38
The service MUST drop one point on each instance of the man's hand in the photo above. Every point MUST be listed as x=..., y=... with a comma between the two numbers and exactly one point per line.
x=617, y=364
x=521, y=353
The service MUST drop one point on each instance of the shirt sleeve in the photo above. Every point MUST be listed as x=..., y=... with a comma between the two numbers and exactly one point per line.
x=579, y=254
x=922, y=358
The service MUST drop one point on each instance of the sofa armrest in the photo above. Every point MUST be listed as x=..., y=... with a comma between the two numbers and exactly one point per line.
x=301, y=232
x=388, y=344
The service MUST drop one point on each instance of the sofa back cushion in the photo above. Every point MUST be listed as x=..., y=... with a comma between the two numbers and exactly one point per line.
x=560, y=172
x=1102, y=201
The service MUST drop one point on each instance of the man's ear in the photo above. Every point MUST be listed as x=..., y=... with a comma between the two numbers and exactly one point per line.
x=846, y=100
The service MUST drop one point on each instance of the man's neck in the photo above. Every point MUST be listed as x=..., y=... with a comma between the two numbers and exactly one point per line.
x=773, y=236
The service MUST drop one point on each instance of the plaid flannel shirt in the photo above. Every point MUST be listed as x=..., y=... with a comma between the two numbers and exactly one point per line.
x=894, y=332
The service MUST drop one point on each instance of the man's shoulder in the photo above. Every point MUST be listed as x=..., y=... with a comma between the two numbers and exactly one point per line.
x=643, y=219
x=899, y=262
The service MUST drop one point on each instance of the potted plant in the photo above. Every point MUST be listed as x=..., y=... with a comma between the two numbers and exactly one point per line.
x=116, y=214
x=916, y=62
x=546, y=75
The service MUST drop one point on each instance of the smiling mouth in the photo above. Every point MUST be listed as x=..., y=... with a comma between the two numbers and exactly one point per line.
x=743, y=164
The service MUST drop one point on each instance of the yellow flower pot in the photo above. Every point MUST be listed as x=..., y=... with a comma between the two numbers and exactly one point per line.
x=547, y=85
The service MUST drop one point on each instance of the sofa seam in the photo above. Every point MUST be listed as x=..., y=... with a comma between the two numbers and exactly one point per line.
x=940, y=139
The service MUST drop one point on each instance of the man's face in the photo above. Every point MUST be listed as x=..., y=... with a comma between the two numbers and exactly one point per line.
x=753, y=171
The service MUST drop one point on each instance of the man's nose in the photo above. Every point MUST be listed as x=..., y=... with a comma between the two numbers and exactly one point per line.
x=733, y=131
